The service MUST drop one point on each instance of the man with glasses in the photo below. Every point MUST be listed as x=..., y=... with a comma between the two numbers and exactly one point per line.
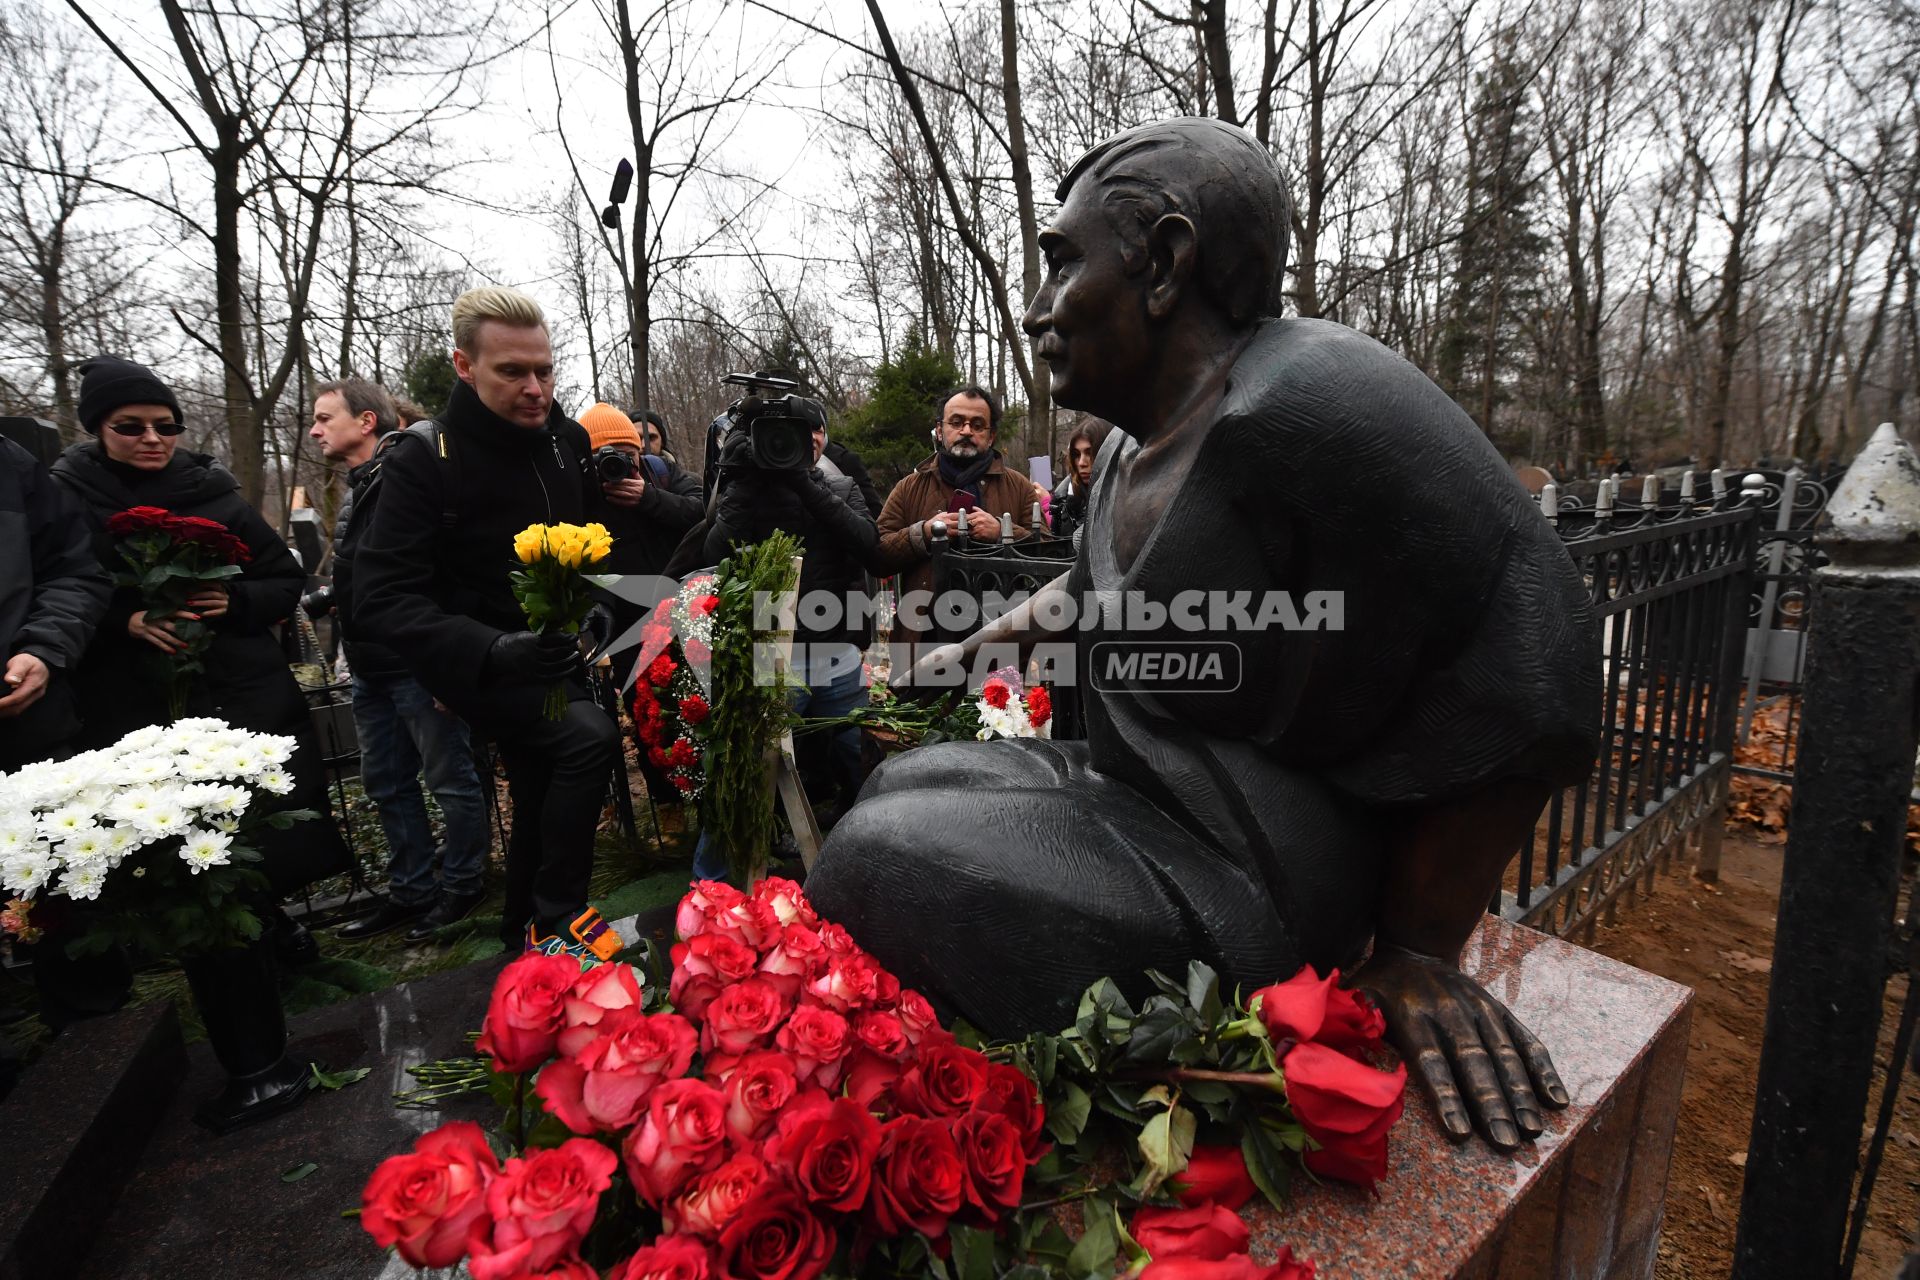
x=966, y=486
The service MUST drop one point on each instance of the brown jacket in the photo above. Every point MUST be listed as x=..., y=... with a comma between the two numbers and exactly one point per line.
x=923, y=494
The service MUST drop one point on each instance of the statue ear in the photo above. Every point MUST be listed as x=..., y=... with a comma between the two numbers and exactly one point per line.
x=1172, y=247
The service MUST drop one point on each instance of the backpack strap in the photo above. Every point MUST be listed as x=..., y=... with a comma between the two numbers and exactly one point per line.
x=432, y=432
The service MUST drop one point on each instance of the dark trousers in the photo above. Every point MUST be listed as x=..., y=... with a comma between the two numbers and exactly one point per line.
x=557, y=774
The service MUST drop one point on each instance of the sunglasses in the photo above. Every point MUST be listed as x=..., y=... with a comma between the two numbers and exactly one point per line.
x=133, y=430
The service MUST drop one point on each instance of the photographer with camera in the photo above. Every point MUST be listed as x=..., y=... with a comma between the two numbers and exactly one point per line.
x=649, y=507
x=431, y=581
x=768, y=479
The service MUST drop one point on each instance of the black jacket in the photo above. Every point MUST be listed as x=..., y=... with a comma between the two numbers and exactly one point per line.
x=441, y=596
x=368, y=659
x=855, y=470
x=645, y=535
x=121, y=681
x=836, y=533
x=53, y=594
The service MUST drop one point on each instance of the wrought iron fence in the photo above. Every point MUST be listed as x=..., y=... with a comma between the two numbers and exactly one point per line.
x=1669, y=583
x=1790, y=504
x=986, y=571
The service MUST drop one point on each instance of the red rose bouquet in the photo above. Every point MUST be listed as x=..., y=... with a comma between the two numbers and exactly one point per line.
x=168, y=557
x=784, y=1107
x=671, y=707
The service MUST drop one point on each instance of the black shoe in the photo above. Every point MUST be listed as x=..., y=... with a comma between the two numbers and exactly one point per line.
x=388, y=916
x=452, y=908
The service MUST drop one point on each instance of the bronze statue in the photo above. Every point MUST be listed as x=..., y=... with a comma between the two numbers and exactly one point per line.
x=1366, y=785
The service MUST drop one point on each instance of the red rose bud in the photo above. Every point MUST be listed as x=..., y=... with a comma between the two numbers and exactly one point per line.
x=714, y=1199
x=527, y=1010
x=743, y=1016
x=1204, y=1231
x=775, y=1237
x=604, y=1088
x=669, y=1257
x=919, y=1181
x=1012, y=1094
x=995, y=1159
x=1235, y=1266
x=947, y=1081
x=1214, y=1174
x=757, y=1088
x=1347, y=1108
x=684, y=1135
x=424, y=1204
x=882, y=1033
x=827, y=1151
x=604, y=989
x=1294, y=1009
x=542, y=1206
x=1354, y=1023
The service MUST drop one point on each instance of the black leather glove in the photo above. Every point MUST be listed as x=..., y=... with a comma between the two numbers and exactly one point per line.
x=528, y=657
x=317, y=602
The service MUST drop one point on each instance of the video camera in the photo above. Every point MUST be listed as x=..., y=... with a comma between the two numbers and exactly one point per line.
x=776, y=424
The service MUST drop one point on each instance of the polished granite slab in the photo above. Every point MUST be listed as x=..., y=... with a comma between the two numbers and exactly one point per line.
x=1585, y=1201
x=1582, y=1203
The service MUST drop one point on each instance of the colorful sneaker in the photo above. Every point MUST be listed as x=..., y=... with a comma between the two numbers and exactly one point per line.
x=593, y=943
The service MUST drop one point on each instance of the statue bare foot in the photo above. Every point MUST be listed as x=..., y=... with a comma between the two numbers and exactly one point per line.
x=1479, y=1065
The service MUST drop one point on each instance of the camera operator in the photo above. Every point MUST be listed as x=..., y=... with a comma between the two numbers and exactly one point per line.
x=646, y=514
x=430, y=580
x=838, y=542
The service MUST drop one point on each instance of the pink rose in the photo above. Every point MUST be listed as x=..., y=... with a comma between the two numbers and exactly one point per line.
x=916, y=1015
x=702, y=966
x=425, y=1203
x=795, y=960
x=757, y=1088
x=743, y=1016
x=706, y=900
x=818, y=1039
x=669, y=1257
x=789, y=904
x=604, y=1088
x=524, y=1016
x=542, y=1206
x=711, y=1200
x=601, y=990
x=684, y=1135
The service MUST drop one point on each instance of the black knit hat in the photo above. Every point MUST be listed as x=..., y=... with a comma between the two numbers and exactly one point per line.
x=107, y=382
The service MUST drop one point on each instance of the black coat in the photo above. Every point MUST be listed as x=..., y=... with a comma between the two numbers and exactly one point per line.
x=440, y=596
x=53, y=594
x=645, y=535
x=121, y=681
x=837, y=535
x=855, y=470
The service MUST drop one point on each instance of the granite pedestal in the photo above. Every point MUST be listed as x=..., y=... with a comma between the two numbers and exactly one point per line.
x=1582, y=1203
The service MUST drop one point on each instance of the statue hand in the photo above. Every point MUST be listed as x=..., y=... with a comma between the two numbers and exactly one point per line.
x=1479, y=1065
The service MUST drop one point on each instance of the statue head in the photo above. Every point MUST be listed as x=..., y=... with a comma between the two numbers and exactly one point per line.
x=1180, y=223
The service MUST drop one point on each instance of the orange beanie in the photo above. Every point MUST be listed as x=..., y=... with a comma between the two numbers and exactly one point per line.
x=607, y=425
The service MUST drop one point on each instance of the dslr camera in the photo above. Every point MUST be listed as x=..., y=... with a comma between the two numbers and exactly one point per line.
x=775, y=425
x=612, y=464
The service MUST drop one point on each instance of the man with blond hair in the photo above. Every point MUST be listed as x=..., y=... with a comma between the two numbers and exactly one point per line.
x=430, y=580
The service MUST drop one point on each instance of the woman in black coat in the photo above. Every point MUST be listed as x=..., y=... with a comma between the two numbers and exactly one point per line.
x=134, y=461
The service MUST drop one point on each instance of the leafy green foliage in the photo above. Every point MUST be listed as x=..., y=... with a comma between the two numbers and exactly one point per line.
x=889, y=431
x=429, y=377
x=749, y=711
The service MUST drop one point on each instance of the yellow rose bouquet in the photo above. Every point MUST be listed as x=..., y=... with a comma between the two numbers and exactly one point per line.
x=553, y=587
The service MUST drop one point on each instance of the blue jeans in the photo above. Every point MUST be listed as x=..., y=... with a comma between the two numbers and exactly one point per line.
x=831, y=688
x=401, y=730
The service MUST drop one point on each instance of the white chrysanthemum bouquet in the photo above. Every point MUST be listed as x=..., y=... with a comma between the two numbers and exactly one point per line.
x=151, y=830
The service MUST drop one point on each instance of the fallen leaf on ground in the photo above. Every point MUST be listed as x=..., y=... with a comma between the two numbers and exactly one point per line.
x=1738, y=1159
x=1752, y=964
x=1716, y=1203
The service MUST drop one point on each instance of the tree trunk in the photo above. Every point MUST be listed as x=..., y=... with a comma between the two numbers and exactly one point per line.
x=53, y=325
x=1040, y=401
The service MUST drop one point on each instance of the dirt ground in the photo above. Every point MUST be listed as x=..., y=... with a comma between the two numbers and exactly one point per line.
x=1719, y=941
